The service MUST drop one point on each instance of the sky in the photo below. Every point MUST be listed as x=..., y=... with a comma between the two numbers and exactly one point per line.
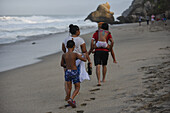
x=59, y=7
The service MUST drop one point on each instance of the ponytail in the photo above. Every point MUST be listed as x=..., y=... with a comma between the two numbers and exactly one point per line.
x=73, y=29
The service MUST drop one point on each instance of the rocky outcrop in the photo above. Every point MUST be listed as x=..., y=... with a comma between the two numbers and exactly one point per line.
x=102, y=14
x=144, y=8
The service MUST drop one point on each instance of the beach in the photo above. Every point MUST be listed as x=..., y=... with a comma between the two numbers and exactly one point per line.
x=138, y=83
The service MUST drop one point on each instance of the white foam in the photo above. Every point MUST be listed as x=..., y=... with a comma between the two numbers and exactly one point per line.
x=12, y=27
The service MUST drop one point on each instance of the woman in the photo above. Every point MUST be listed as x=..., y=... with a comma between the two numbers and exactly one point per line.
x=80, y=47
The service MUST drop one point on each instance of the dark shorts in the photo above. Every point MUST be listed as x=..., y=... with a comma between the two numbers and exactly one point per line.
x=72, y=75
x=101, y=57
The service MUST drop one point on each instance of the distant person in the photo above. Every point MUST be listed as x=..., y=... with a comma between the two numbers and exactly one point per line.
x=164, y=19
x=147, y=20
x=140, y=20
x=152, y=19
x=71, y=73
x=101, y=54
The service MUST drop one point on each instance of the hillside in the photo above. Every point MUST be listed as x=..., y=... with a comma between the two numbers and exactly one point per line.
x=145, y=8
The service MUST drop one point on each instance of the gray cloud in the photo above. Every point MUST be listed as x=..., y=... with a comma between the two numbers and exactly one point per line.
x=55, y=7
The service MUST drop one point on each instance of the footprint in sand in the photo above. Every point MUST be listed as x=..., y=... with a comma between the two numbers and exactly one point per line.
x=63, y=107
x=90, y=99
x=96, y=89
x=80, y=111
x=92, y=92
x=83, y=104
x=87, y=100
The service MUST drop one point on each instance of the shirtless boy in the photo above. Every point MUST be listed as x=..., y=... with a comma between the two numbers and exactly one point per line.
x=71, y=74
x=103, y=33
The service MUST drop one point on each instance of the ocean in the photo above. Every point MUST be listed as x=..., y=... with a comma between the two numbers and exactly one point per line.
x=17, y=28
x=24, y=39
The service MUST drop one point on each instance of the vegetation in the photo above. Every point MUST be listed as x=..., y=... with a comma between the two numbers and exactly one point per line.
x=162, y=6
x=159, y=6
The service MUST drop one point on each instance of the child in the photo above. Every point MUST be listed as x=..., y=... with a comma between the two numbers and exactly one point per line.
x=71, y=74
x=103, y=33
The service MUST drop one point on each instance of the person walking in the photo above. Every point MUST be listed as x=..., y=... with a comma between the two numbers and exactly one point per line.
x=68, y=61
x=101, y=55
x=140, y=20
x=147, y=20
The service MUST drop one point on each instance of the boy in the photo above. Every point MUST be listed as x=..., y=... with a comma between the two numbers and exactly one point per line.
x=71, y=74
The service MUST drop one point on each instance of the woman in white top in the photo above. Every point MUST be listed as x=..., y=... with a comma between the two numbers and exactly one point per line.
x=80, y=47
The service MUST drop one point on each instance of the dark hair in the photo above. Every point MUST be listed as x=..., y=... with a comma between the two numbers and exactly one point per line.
x=73, y=29
x=70, y=26
x=105, y=26
x=70, y=44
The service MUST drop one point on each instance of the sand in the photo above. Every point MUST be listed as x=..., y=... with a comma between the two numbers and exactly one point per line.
x=137, y=84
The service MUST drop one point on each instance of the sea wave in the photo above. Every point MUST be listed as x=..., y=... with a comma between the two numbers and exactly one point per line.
x=12, y=27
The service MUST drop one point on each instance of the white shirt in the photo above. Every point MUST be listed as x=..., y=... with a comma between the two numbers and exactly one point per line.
x=78, y=42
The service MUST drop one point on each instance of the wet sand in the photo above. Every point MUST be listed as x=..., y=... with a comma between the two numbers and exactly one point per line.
x=139, y=83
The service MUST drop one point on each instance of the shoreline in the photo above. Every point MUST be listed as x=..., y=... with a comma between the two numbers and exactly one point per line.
x=31, y=43
x=28, y=88
x=27, y=52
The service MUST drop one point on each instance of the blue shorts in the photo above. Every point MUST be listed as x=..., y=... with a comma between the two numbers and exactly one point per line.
x=72, y=75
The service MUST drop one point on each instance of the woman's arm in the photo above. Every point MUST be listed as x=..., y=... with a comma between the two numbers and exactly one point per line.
x=63, y=48
x=84, y=51
x=91, y=48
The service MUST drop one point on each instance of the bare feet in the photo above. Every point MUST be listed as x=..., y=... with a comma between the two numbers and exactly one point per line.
x=99, y=83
